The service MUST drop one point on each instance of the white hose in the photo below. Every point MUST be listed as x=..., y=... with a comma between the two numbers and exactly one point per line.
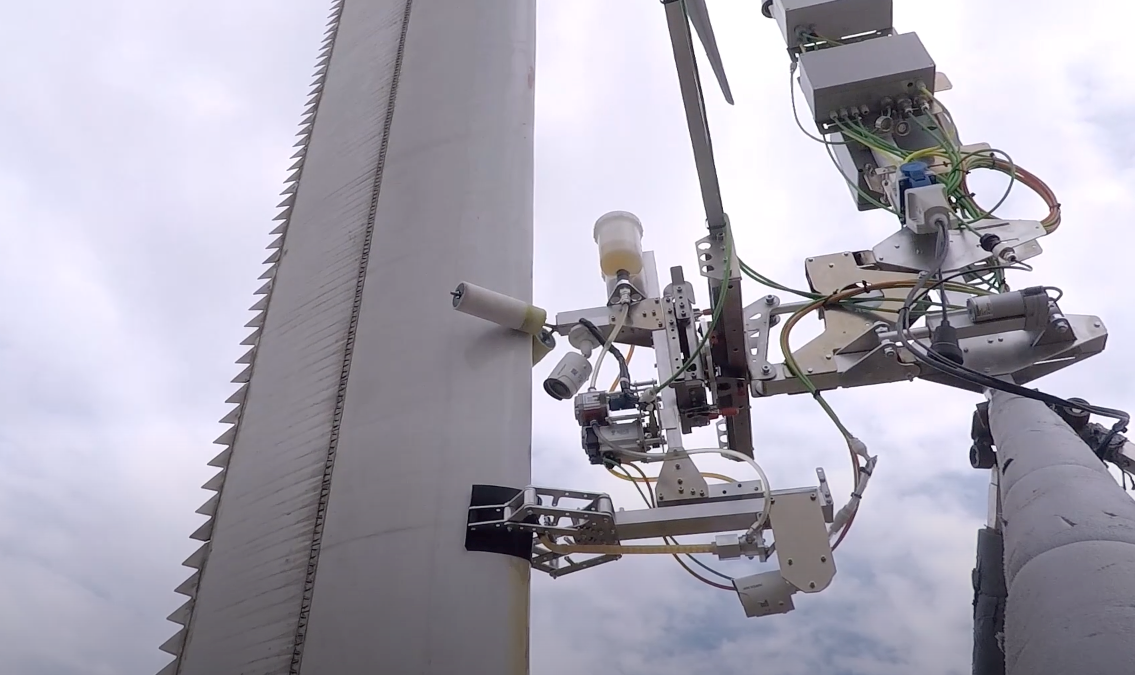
x=615, y=330
x=763, y=519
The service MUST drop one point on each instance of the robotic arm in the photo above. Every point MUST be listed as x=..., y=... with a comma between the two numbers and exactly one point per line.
x=872, y=94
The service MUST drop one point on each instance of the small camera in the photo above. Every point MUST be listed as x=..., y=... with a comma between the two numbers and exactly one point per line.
x=568, y=377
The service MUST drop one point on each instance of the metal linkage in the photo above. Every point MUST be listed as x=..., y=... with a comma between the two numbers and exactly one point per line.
x=797, y=517
x=729, y=365
x=1022, y=335
x=702, y=386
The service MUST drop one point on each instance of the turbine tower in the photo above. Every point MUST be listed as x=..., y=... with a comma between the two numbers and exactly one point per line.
x=367, y=408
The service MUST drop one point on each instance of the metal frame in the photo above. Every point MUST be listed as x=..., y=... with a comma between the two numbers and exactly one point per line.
x=590, y=518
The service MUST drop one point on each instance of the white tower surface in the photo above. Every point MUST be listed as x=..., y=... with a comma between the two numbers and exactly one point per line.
x=368, y=408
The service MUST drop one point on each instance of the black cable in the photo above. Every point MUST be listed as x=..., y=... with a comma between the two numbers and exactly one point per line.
x=705, y=567
x=929, y=358
x=624, y=370
x=610, y=464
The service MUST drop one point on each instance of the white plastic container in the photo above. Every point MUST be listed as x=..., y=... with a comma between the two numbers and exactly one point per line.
x=619, y=236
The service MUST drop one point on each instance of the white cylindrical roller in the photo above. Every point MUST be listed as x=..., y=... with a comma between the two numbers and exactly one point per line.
x=619, y=237
x=499, y=309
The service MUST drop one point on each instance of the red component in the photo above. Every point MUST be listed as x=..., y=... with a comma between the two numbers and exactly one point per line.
x=730, y=412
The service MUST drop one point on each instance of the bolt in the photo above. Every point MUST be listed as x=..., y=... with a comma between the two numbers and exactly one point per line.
x=990, y=340
x=701, y=493
x=1000, y=339
x=1062, y=327
x=811, y=584
x=889, y=352
x=770, y=299
x=898, y=245
x=790, y=561
x=810, y=370
x=882, y=258
x=677, y=466
x=1097, y=324
x=766, y=369
x=811, y=260
x=831, y=265
x=680, y=481
x=813, y=496
x=828, y=357
x=681, y=491
x=823, y=558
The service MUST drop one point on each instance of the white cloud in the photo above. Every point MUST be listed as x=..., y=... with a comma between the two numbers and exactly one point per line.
x=144, y=149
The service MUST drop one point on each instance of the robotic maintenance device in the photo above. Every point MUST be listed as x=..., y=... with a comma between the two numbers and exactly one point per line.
x=930, y=301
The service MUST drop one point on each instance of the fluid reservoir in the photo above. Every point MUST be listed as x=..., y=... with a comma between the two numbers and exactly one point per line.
x=619, y=236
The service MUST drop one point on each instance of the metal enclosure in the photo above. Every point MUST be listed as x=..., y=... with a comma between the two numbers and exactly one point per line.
x=336, y=541
x=831, y=18
x=864, y=73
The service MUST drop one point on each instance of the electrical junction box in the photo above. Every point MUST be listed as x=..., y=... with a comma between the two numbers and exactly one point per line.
x=832, y=19
x=864, y=73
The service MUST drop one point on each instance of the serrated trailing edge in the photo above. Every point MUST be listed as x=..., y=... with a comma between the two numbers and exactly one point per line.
x=209, y=508
x=180, y=616
x=221, y=461
x=196, y=560
x=199, y=559
x=175, y=644
x=216, y=482
x=189, y=587
x=348, y=351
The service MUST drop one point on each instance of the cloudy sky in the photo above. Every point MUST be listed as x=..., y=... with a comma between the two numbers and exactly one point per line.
x=145, y=145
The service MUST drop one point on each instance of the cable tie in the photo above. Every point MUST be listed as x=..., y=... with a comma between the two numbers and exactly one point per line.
x=856, y=495
x=865, y=471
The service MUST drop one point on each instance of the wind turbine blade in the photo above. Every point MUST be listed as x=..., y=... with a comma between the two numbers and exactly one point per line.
x=699, y=17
